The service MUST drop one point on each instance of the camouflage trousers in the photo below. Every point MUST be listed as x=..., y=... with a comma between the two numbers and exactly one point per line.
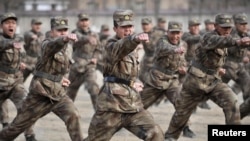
x=197, y=89
x=17, y=95
x=36, y=106
x=30, y=66
x=237, y=73
x=145, y=65
x=89, y=78
x=105, y=124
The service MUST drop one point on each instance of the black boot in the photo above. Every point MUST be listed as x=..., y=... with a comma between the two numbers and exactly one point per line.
x=187, y=132
x=30, y=138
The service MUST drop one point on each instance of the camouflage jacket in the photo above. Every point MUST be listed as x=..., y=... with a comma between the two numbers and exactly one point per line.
x=32, y=48
x=54, y=60
x=166, y=63
x=10, y=59
x=192, y=43
x=83, y=51
x=120, y=62
x=212, y=51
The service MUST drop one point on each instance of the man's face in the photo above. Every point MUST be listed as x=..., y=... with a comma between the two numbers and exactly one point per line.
x=174, y=37
x=36, y=27
x=162, y=25
x=146, y=27
x=123, y=31
x=223, y=31
x=209, y=27
x=59, y=32
x=194, y=29
x=9, y=27
x=83, y=23
x=242, y=27
x=106, y=32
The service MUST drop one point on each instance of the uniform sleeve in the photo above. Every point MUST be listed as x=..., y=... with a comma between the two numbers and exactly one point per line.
x=5, y=44
x=191, y=38
x=118, y=49
x=164, y=48
x=50, y=47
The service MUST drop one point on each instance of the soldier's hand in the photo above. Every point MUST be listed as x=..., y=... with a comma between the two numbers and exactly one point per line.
x=22, y=66
x=244, y=41
x=245, y=60
x=92, y=40
x=222, y=71
x=138, y=86
x=65, y=82
x=18, y=45
x=93, y=61
x=70, y=37
x=180, y=50
x=142, y=37
x=182, y=70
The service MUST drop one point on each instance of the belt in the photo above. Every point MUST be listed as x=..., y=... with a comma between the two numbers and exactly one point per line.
x=235, y=59
x=8, y=70
x=118, y=80
x=55, y=78
x=204, y=69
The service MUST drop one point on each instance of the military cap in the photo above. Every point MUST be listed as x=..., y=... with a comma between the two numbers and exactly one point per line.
x=104, y=27
x=82, y=16
x=123, y=17
x=193, y=22
x=36, y=21
x=7, y=16
x=161, y=20
x=240, y=18
x=224, y=20
x=146, y=20
x=208, y=21
x=174, y=26
x=59, y=23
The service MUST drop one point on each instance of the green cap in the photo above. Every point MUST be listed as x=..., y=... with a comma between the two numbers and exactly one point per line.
x=123, y=17
x=193, y=22
x=161, y=20
x=82, y=16
x=36, y=21
x=104, y=27
x=224, y=20
x=7, y=16
x=146, y=20
x=240, y=18
x=209, y=21
x=59, y=23
x=174, y=26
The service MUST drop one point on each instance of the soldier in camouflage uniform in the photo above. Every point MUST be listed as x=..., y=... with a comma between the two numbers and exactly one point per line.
x=119, y=103
x=154, y=36
x=209, y=26
x=235, y=69
x=168, y=62
x=47, y=91
x=104, y=35
x=32, y=39
x=11, y=78
x=85, y=54
x=203, y=80
x=192, y=38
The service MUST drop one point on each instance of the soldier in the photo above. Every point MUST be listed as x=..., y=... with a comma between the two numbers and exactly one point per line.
x=168, y=62
x=237, y=56
x=161, y=25
x=154, y=36
x=47, y=90
x=85, y=54
x=209, y=26
x=32, y=39
x=203, y=79
x=12, y=53
x=192, y=38
x=104, y=35
x=119, y=103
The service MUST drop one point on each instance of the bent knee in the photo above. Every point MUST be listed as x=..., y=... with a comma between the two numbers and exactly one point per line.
x=155, y=134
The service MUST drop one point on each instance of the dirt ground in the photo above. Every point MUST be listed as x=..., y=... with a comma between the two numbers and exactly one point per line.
x=51, y=128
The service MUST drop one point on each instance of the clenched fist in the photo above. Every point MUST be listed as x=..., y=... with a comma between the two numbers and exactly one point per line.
x=142, y=37
x=70, y=37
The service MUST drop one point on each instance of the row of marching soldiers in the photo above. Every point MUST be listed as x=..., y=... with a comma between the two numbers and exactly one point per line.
x=186, y=69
